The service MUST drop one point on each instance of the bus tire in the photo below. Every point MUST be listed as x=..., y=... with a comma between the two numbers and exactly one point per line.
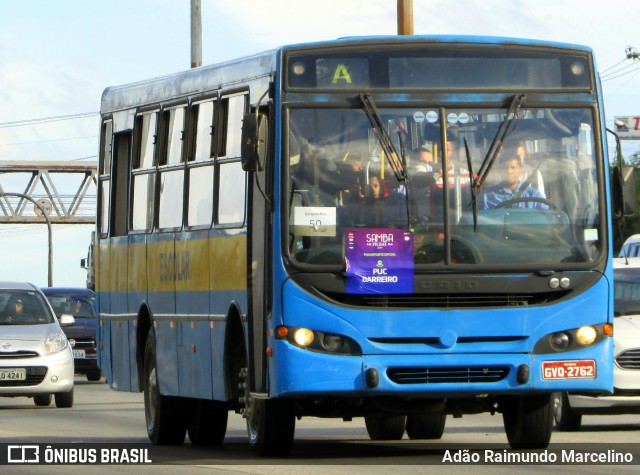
x=426, y=425
x=385, y=427
x=163, y=414
x=208, y=422
x=271, y=423
x=528, y=421
x=566, y=418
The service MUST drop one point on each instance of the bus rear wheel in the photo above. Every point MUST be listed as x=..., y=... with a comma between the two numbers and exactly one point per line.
x=426, y=425
x=208, y=422
x=385, y=427
x=528, y=421
x=271, y=423
x=163, y=414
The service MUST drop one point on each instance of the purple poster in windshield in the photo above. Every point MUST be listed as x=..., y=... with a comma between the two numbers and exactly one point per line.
x=379, y=261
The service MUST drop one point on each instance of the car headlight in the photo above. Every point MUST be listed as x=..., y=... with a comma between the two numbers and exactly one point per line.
x=55, y=342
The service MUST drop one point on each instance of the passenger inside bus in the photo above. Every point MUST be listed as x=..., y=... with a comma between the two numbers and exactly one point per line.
x=422, y=159
x=316, y=176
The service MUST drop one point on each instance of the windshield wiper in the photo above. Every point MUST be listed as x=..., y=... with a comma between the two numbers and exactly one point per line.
x=506, y=127
x=395, y=159
x=475, y=187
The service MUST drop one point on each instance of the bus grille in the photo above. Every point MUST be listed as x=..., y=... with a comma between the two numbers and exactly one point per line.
x=442, y=300
x=629, y=359
x=460, y=374
x=35, y=375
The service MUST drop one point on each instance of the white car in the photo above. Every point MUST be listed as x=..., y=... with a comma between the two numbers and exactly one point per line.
x=569, y=407
x=35, y=356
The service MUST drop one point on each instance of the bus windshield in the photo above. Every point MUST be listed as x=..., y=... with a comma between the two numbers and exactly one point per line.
x=472, y=195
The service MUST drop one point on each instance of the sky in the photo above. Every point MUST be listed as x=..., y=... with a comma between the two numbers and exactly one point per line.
x=57, y=56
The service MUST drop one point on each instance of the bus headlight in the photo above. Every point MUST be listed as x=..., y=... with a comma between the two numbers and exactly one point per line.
x=303, y=337
x=586, y=335
x=315, y=340
x=332, y=343
x=559, y=341
x=573, y=340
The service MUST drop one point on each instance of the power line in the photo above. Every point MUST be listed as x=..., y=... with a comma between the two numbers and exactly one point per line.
x=58, y=118
x=617, y=73
x=611, y=73
x=49, y=140
x=617, y=64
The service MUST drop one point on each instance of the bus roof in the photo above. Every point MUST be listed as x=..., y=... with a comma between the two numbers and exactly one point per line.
x=190, y=82
x=262, y=66
x=437, y=39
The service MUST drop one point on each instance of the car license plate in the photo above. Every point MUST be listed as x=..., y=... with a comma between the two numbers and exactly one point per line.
x=568, y=369
x=78, y=353
x=13, y=374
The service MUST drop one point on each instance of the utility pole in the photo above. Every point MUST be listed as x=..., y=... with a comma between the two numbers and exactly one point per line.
x=405, y=17
x=196, y=34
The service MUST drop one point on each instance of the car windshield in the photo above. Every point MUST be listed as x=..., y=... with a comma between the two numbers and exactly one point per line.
x=474, y=194
x=79, y=306
x=23, y=307
x=626, y=284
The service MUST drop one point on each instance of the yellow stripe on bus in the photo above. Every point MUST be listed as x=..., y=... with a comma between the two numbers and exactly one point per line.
x=218, y=263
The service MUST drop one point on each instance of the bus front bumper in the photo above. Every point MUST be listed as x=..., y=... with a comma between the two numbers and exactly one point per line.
x=295, y=371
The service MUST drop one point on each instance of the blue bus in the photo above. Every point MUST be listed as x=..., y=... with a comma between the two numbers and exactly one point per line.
x=394, y=228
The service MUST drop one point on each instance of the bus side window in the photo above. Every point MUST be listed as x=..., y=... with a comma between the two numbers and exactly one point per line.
x=144, y=174
x=200, y=167
x=231, y=178
x=172, y=175
x=120, y=190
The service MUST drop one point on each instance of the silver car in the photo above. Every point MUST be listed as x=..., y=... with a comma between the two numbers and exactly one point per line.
x=35, y=356
x=569, y=407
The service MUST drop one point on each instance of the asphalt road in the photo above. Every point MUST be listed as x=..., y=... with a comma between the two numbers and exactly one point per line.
x=101, y=417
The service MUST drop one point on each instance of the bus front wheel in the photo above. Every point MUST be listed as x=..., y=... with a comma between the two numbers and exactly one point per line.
x=163, y=414
x=528, y=421
x=426, y=425
x=566, y=418
x=271, y=423
x=385, y=427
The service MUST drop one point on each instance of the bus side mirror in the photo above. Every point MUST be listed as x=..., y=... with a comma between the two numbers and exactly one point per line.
x=254, y=142
x=83, y=263
x=624, y=191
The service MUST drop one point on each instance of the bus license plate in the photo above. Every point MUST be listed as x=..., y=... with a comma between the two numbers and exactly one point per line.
x=13, y=374
x=568, y=369
x=78, y=353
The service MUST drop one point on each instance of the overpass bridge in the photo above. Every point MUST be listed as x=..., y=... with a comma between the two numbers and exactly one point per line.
x=65, y=190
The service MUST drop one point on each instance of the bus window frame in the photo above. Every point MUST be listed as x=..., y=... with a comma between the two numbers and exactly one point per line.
x=152, y=170
x=210, y=162
x=162, y=157
x=104, y=174
x=223, y=159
